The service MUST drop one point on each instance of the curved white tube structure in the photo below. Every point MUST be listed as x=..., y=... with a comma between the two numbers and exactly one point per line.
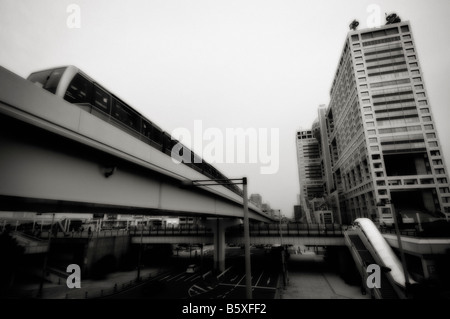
x=382, y=249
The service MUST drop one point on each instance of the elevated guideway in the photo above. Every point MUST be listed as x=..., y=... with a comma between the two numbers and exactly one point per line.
x=56, y=157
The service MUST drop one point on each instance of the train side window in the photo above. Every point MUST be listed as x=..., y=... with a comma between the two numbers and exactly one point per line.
x=167, y=143
x=102, y=100
x=79, y=90
x=146, y=129
x=156, y=135
x=125, y=115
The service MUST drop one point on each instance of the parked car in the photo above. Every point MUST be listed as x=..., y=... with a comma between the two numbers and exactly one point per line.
x=192, y=269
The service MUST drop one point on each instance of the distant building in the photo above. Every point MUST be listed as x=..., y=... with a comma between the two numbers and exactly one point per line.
x=309, y=169
x=256, y=199
x=298, y=214
x=265, y=207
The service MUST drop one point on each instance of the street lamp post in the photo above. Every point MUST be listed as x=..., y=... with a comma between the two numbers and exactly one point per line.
x=234, y=181
x=283, y=261
x=44, y=267
x=400, y=247
x=138, y=278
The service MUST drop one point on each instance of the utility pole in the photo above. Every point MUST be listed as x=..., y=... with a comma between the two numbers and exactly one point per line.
x=400, y=247
x=44, y=267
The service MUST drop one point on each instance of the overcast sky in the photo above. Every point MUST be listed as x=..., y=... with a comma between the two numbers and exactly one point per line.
x=254, y=64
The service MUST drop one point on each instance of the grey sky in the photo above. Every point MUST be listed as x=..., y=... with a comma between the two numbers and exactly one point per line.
x=232, y=64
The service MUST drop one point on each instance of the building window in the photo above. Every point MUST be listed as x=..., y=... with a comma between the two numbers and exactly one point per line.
x=412, y=57
x=435, y=153
x=424, y=102
x=417, y=79
x=374, y=148
x=371, y=132
x=373, y=140
x=368, y=116
x=415, y=72
x=408, y=43
x=433, y=143
x=404, y=28
x=431, y=135
x=421, y=94
x=407, y=36
x=426, y=118
x=428, y=127
x=367, y=109
x=355, y=37
x=370, y=124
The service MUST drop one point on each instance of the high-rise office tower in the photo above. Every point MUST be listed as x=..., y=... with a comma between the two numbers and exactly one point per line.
x=309, y=169
x=383, y=146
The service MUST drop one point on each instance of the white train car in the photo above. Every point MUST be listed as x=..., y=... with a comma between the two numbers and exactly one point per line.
x=382, y=249
x=74, y=86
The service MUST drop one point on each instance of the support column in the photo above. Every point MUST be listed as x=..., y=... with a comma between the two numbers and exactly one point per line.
x=219, y=246
x=219, y=225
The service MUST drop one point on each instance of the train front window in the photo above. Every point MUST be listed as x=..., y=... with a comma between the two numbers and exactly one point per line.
x=40, y=78
x=79, y=90
x=48, y=79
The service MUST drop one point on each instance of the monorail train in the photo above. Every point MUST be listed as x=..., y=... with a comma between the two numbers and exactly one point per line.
x=74, y=86
x=383, y=250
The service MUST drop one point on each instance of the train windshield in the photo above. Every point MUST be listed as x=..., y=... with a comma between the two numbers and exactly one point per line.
x=47, y=79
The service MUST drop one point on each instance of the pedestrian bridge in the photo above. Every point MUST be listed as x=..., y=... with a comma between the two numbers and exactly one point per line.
x=57, y=157
x=260, y=234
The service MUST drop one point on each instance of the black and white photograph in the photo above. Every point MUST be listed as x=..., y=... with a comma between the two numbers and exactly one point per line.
x=232, y=157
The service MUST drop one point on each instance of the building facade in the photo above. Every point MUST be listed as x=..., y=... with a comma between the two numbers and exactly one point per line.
x=379, y=146
x=310, y=171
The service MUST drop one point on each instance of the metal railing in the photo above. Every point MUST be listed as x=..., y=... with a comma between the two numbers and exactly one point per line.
x=190, y=230
x=291, y=230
